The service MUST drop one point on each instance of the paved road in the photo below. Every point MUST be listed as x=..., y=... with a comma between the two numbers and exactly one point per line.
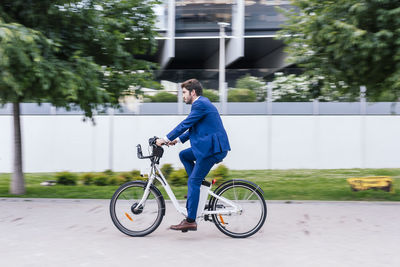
x=51, y=232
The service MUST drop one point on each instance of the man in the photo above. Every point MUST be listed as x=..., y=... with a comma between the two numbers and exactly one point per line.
x=209, y=145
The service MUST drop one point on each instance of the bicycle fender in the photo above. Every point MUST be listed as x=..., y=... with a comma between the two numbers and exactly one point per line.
x=258, y=188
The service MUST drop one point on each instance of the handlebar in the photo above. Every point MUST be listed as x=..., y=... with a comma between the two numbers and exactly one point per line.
x=140, y=153
x=157, y=151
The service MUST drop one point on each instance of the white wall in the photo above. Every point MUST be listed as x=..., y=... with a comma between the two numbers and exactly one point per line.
x=56, y=143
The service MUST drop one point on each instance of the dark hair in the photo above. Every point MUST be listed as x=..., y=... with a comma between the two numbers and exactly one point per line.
x=193, y=84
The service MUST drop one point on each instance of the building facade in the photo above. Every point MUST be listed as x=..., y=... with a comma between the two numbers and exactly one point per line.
x=189, y=41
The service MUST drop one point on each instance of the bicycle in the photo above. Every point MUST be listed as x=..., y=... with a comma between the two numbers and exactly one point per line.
x=236, y=207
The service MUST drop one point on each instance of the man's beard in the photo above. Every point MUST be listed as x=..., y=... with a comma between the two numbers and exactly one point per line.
x=189, y=100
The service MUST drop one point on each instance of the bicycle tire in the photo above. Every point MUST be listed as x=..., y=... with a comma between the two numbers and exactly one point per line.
x=224, y=222
x=122, y=213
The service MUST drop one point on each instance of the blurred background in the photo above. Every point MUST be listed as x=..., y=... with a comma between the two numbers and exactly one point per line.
x=300, y=84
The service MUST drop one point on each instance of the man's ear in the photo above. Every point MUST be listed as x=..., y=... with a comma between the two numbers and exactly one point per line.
x=193, y=93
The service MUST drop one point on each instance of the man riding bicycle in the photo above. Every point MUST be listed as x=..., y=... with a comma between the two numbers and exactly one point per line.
x=209, y=145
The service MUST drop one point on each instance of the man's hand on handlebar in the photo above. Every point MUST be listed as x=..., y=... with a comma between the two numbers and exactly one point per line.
x=161, y=141
x=172, y=143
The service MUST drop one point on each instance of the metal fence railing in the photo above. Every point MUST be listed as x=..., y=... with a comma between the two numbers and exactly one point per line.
x=233, y=108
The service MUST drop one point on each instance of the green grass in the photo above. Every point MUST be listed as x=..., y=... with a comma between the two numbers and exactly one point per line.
x=277, y=185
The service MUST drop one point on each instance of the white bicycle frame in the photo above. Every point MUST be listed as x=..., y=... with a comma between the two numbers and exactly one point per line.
x=231, y=207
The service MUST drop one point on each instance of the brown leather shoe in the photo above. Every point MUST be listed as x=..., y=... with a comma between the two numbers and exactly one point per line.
x=184, y=226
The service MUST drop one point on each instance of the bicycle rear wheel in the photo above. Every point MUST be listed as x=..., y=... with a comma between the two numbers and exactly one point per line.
x=249, y=197
x=132, y=220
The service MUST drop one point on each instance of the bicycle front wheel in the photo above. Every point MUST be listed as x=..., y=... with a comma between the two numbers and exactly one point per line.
x=131, y=219
x=250, y=200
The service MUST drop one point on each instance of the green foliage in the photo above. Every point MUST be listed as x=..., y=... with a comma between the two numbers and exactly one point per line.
x=87, y=178
x=135, y=174
x=349, y=42
x=108, y=172
x=257, y=85
x=241, y=95
x=302, y=88
x=116, y=180
x=164, y=97
x=105, y=178
x=101, y=179
x=211, y=94
x=125, y=177
x=221, y=174
x=130, y=176
x=167, y=169
x=25, y=72
x=108, y=177
x=73, y=54
x=299, y=184
x=221, y=171
x=66, y=53
x=66, y=178
x=178, y=177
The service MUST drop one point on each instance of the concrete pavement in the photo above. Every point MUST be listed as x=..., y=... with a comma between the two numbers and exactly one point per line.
x=58, y=232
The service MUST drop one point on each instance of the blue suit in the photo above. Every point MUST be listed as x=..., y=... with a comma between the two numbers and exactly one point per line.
x=209, y=145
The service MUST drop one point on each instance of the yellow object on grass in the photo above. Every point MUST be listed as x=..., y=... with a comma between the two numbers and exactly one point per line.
x=373, y=182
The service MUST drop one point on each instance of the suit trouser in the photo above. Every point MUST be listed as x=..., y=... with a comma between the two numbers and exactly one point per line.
x=197, y=170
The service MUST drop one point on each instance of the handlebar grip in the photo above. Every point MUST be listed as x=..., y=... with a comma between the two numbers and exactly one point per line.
x=153, y=140
x=139, y=151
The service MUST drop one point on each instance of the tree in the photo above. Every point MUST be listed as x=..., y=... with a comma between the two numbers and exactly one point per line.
x=164, y=97
x=241, y=95
x=211, y=94
x=71, y=54
x=356, y=42
x=257, y=85
x=303, y=88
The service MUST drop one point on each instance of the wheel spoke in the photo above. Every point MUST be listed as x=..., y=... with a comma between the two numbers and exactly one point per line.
x=123, y=195
x=234, y=190
x=252, y=215
x=143, y=220
x=251, y=194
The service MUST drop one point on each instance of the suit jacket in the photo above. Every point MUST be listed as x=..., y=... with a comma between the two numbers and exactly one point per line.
x=204, y=128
